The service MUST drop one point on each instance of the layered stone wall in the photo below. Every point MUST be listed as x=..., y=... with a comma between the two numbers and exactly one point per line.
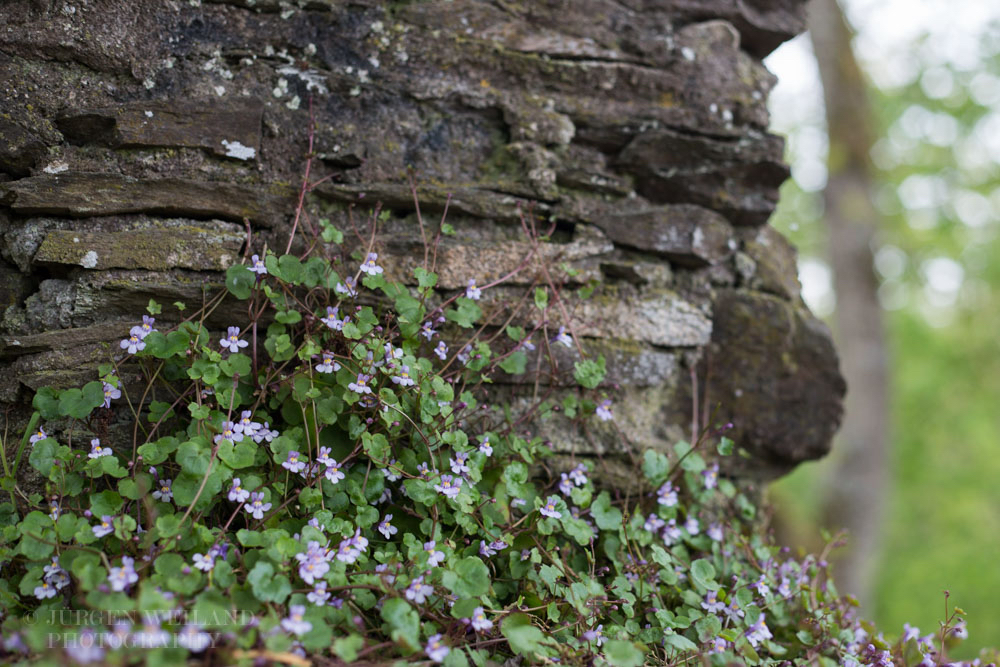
x=142, y=144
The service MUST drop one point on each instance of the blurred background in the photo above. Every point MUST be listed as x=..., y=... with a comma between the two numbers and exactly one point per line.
x=892, y=113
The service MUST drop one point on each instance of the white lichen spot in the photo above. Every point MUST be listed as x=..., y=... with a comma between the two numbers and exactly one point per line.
x=76, y=239
x=374, y=62
x=170, y=62
x=727, y=116
x=56, y=167
x=69, y=10
x=355, y=91
x=713, y=108
x=402, y=56
x=363, y=76
x=220, y=90
x=89, y=260
x=149, y=114
x=377, y=27
x=287, y=13
x=293, y=103
x=194, y=3
x=310, y=49
x=688, y=53
x=268, y=50
x=239, y=151
x=149, y=84
x=281, y=88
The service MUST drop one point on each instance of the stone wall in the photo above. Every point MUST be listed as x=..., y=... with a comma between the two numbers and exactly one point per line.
x=141, y=142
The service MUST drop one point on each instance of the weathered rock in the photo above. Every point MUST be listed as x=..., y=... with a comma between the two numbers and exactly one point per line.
x=685, y=234
x=19, y=149
x=763, y=24
x=775, y=262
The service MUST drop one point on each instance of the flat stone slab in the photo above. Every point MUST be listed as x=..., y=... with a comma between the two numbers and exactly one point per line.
x=685, y=234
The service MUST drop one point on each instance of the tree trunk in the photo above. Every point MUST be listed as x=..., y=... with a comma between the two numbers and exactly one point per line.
x=144, y=142
x=859, y=482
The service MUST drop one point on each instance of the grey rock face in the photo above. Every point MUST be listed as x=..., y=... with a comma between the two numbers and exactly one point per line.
x=143, y=143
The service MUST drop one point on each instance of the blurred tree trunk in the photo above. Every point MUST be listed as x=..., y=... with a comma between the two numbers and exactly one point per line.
x=858, y=488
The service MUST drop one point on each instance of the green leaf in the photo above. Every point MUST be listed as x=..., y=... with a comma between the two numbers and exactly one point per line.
x=680, y=642
x=240, y=281
x=469, y=578
x=43, y=455
x=403, y=622
x=541, y=298
x=266, y=586
x=589, y=373
x=466, y=314
x=624, y=654
x=424, y=277
x=240, y=455
x=605, y=516
x=524, y=638
x=725, y=446
x=516, y=363
x=655, y=466
x=703, y=574
x=46, y=401
x=168, y=525
x=79, y=403
x=153, y=308
x=346, y=648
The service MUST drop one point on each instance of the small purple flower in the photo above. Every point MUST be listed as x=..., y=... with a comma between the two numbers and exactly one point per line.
x=527, y=344
x=458, y=464
x=122, y=577
x=163, y=491
x=333, y=472
x=257, y=265
x=133, y=343
x=441, y=350
x=229, y=432
x=711, y=603
x=958, y=632
x=692, y=526
x=486, y=550
x=40, y=434
x=758, y=632
x=293, y=463
x=654, y=523
x=296, y=623
x=246, y=425
x=424, y=471
x=319, y=595
x=549, y=508
x=204, y=563
x=85, y=648
x=331, y=320
x=479, y=621
x=403, y=379
x=45, y=590
x=329, y=364
x=257, y=506
x=427, y=330
x=418, y=591
x=360, y=386
x=563, y=338
x=265, y=434
x=579, y=474
x=232, y=340
x=237, y=493
x=348, y=288
x=369, y=266
x=103, y=528
x=485, y=447
x=324, y=456
x=671, y=533
x=386, y=528
x=435, y=649
x=667, y=495
x=604, y=411
x=715, y=531
x=111, y=393
x=434, y=557
x=595, y=635
x=192, y=636
x=719, y=645
x=761, y=586
x=471, y=291
x=565, y=484
x=144, y=329
x=96, y=451
x=449, y=486
x=465, y=353
x=711, y=476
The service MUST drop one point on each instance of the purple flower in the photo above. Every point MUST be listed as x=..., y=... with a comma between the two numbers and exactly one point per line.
x=103, y=528
x=457, y=464
x=434, y=557
x=563, y=337
x=441, y=350
x=257, y=265
x=449, y=486
x=565, y=484
x=96, y=451
x=435, y=649
x=424, y=471
x=403, y=379
x=711, y=603
x=958, y=632
x=295, y=623
x=151, y=636
x=418, y=591
x=334, y=472
x=360, y=386
x=734, y=612
x=711, y=476
x=369, y=266
x=293, y=463
x=204, y=563
x=527, y=344
x=671, y=533
x=486, y=550
x=666, y=495
x=232, y=340
x=465, y=353
x=331, y=320
x=257, y=506
x=719, y=645
x=144, y=329
x=391, y=472
x=758, y=632
x=44, y=590
x=229, y=432
x=485, y=447
x=319, y=595
x=549, y=508
x=473, y=292
x=111, y=393
x=597, y=634
x=348, y=287
x=329, y=364
x=579, y=474
x=264, y=433
x=479, y=621
x=312, y=563
x=761, y=587
x=85, y=647
x=715, y=531
x=654, y=523
x=427, y=331
x=133, y=343
x=692, y=526
x=246, y=425
x=386, y=528
x=122, y=577
x=604, y=411
x=237, y=493
x=40, y=434
x=163, y=491
x=192, y=636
